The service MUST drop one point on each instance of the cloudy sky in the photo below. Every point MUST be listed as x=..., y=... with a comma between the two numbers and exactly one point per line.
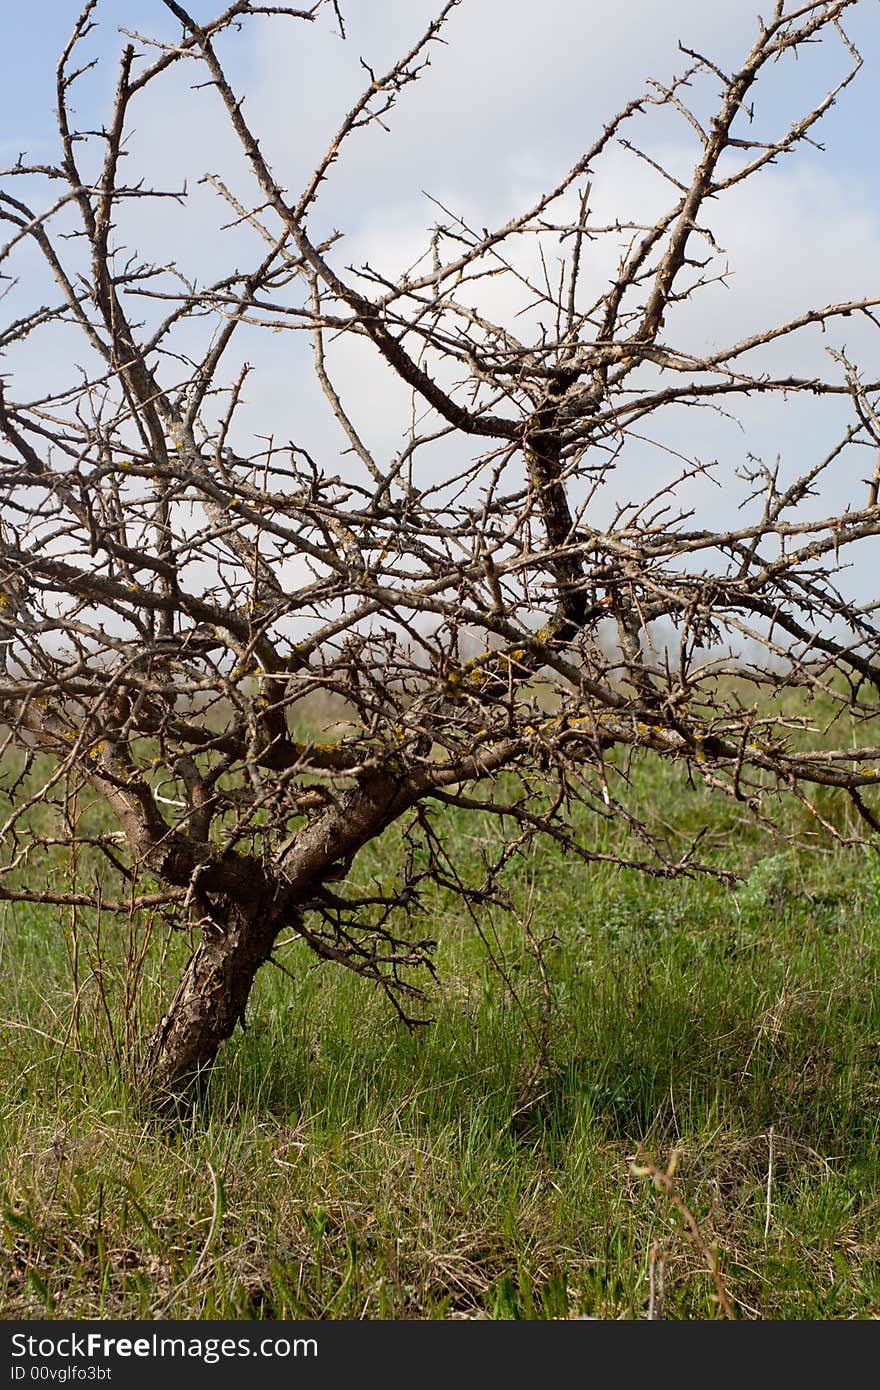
x=511, y=100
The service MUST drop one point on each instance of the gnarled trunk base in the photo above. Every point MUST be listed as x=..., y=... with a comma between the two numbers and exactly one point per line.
x=209, y=1002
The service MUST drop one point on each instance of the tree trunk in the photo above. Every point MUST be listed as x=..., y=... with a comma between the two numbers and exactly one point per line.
x=244, y=909
x=209, y=1002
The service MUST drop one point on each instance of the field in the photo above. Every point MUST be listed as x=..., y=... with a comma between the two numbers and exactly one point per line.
x=703, y=1141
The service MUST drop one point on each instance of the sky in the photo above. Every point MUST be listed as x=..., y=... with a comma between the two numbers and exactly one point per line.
x=511, y=100
x=517, y=82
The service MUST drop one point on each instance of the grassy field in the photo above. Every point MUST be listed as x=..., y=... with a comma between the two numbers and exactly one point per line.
x=704, y=1141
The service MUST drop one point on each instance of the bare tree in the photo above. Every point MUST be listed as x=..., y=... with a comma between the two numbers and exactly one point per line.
x=180, y=591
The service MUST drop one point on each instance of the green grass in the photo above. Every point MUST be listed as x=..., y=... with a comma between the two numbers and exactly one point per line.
x=341, y=1167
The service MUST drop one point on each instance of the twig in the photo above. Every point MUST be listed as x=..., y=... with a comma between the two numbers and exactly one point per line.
x=663, y=1181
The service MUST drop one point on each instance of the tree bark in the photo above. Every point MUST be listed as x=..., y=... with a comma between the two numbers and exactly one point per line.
x=210, y=1000
x=244, y=910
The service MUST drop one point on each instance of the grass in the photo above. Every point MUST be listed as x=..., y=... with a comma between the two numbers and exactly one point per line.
x=341, y=1167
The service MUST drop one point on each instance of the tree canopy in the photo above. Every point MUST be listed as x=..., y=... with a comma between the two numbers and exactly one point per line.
x=260, y=656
